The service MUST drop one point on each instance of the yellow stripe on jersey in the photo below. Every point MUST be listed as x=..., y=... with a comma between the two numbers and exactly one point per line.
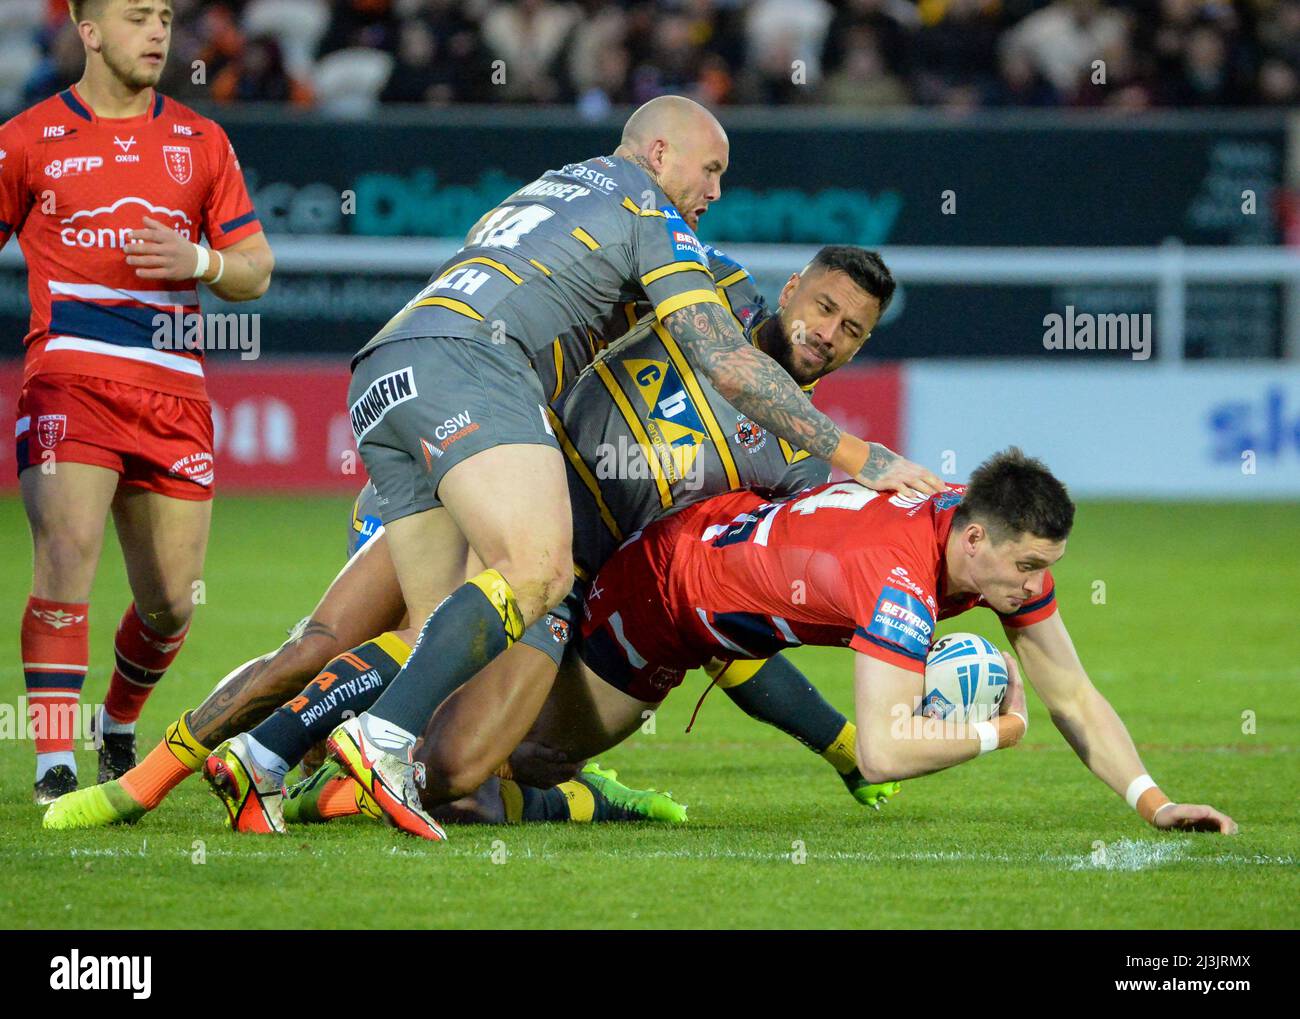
x=635, y=423
x=702, y=405
x=557, y=352
x=540, y=266
x=631, y=206
x=792, y=455
x=584, y=472
x=491, y=263
x=665, y=308
x=735, y=277
x=726, y=303
x=668, y=270
x=629, y=310
x=451, y=305
x=585, y=237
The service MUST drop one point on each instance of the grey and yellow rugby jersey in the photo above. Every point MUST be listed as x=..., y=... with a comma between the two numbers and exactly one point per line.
x=645, y=435
x=561, y=256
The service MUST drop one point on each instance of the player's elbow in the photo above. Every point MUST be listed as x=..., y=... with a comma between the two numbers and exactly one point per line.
x=727, y=383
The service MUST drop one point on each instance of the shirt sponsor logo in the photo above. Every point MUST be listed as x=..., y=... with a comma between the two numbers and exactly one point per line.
x=593, y=177
x=51, y=429
x=553, y=189
x=686, y=246
x=53, y=131
x=126, y=155
x=671, y=418
x=183, y=129
x=73, y=165
x=179, y=163
x=380, y=396
x=89, y=235
x=901, y=619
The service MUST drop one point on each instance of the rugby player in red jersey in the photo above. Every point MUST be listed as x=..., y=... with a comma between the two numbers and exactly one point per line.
x=108, y=187
x=741, y=577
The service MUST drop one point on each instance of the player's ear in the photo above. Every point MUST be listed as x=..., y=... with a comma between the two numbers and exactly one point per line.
x=788, y=290
x=89, y=32
x=658, y=150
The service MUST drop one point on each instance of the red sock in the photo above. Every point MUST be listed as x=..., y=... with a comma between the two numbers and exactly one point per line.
x=55, y=638
x=142, y=655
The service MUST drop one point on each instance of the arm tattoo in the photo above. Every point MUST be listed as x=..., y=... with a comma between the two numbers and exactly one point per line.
x=746, y=377
x=253, y=692
x=880, y=461
x=236, y=705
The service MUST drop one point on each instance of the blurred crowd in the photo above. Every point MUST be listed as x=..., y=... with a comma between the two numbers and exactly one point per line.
x=852, y=54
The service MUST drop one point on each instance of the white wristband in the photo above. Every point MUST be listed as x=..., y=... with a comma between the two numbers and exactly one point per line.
x=202, y=267
x=988, y=734
x=220, y=272
x=1137, y=787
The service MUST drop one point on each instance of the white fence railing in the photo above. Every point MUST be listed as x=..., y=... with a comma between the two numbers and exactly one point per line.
x=1171, y=268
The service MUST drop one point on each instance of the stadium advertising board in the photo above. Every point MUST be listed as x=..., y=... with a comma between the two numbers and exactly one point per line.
x=1192, y=431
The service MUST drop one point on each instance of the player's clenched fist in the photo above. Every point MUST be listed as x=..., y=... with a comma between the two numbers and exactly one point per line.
x=160, y=253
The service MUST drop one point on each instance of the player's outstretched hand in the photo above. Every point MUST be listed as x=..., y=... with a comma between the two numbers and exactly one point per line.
x=1194, y=817
x=159, y=253
x=886, y=471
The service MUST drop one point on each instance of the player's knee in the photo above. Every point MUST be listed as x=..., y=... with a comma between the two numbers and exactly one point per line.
x=539, y=581
x=874, y=765
x=449, y=772
x=168, y=614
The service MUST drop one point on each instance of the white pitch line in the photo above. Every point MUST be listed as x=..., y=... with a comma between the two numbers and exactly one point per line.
x=1123, y=855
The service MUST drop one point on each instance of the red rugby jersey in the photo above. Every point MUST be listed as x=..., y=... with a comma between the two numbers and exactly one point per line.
x=72, y=187
x=838, y=565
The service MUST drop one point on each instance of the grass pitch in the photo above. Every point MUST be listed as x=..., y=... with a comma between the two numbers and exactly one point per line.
x=1197, y=628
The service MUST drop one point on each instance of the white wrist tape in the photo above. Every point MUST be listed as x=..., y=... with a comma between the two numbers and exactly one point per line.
x=1137, y=787
x=220, y=272
x=988, y=734
x=1023, y=721
x=202, y=267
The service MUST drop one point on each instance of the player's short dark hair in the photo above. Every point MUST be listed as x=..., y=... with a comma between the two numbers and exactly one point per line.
x=82, y=9
x=866, y=268
x=1012, y=494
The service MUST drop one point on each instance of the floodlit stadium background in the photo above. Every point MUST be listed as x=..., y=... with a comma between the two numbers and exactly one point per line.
x=1013, y=161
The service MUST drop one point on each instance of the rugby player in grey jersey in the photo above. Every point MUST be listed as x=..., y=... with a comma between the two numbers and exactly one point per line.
x=450, y=419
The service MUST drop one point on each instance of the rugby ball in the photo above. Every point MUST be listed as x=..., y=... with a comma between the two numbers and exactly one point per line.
x=965, y=679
